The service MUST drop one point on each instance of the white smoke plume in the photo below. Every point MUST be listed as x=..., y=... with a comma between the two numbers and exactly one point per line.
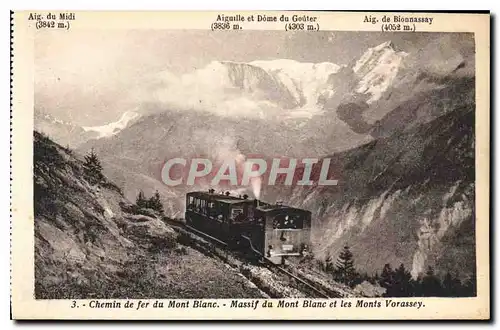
x=256, y=184
x=227, y=151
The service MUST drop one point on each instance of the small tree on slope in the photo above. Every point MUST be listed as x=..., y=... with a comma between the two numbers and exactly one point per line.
x=141, y=201
x=155, y=203
x=93, y=167
x=344, y=268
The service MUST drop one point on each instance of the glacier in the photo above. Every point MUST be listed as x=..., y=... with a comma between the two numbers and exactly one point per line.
x=114, y=127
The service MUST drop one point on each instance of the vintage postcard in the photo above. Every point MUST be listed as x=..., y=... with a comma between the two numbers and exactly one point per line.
x=250, y=165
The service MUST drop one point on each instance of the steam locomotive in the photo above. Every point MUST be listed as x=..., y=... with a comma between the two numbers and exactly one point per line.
x=269, y=231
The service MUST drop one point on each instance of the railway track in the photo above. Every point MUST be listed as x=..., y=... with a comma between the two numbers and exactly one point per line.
x=317, y=292
x=310, y=286
x=325, y=291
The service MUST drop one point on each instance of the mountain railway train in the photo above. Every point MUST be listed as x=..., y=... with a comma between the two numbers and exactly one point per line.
x=272, y=231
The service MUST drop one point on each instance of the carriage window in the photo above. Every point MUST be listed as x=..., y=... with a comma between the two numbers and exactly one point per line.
x=288, y=221
x=203, y=206
x=237, y=214
x=213, y=209
x=190, y=203
x=197, y=205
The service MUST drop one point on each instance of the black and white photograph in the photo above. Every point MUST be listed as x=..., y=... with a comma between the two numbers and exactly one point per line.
x=394, y=114
x=262, y=165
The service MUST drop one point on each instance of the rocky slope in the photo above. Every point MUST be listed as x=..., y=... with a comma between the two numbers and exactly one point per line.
x=408, y=198
x=87, y=245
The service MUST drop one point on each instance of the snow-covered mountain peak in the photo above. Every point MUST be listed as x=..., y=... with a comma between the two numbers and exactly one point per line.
x=306, y=81
x=381, y=54
x=114, y=127
x=377, y=68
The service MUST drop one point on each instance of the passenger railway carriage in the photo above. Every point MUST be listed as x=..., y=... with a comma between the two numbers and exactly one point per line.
x=271, y=231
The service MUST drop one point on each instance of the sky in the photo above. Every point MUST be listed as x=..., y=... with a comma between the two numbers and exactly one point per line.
x=87, y=77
